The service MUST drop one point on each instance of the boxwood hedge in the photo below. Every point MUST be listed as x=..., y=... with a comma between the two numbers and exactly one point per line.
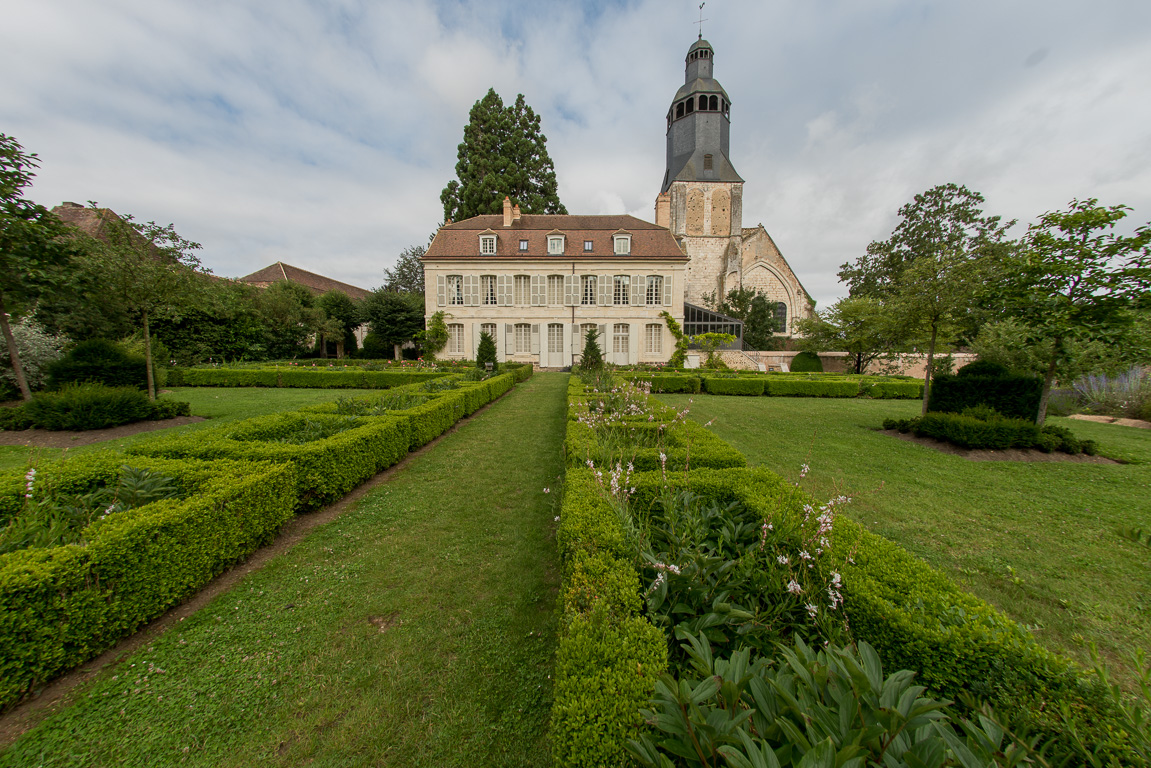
x=64, y=605
x=291, y=376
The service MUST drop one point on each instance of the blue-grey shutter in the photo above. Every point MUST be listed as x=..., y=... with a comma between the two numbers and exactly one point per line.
x=667, y=291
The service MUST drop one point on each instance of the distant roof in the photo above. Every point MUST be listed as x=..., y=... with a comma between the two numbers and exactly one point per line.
x=317, y=284
x=462, y=238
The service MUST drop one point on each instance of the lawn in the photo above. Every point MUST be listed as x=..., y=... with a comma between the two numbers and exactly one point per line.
x=417, y=629
x=216, y=404
x=1038, y=540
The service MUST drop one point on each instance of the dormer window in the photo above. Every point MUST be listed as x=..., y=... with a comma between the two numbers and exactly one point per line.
x=487, y=244
x=588, y=246
x=523, y=245
x=622, y=244
x=556, y=245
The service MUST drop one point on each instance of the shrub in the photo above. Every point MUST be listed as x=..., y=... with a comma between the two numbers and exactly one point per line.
x=1126, y=395
x=1013, y=396
x=747, y=386
x=895, y=390
x=592, y=357
x=100, y=361
x=170, y=409
x=789, y=386
x=37, y=350
x=61, y=606
x=88, y=406
x=688, y=384
x=806, y=362
x=486, y=352
x=984, y=368
x=970, y=432
x=375, y=348
x=15, y=418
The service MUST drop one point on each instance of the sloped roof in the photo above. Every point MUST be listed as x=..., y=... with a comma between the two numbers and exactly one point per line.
x=317, y=284
x=461, y=239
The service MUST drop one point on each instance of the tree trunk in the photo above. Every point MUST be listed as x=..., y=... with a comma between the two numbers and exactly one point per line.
x=148, y=360
x=397, y=353
x=340, y=349
x=323, y=347
x=1048, y=380
x=927, y=370
x=13, y=353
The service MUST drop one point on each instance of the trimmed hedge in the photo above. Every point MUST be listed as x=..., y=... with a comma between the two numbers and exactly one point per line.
x=779, y=386
x=100, y=361
x=318, y=378
x=64, y=605
x=893, y=390
x=323, y=470
x=685, y=444
x=749, y=386
x=1013, y=396
x=688, y=384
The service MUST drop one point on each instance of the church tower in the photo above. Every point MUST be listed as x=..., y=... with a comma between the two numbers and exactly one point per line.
x=702, y=195
x=701, y=201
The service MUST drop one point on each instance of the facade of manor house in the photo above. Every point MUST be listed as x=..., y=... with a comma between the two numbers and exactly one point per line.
x=537, y=283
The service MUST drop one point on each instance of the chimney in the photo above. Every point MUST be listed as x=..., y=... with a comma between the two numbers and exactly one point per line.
x=516, y=212
x=507, y=212
x=663, y=210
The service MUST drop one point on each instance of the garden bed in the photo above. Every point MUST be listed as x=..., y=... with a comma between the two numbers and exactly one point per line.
x=47, y=438
x=1006, y=454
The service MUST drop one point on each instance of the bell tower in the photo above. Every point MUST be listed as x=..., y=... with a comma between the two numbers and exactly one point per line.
x=701, y=198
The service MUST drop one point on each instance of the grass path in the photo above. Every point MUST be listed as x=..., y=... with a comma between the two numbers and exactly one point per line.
x=415, y=630
x=1038, y=540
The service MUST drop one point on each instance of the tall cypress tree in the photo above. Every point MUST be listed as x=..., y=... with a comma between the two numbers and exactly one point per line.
x=504, y=153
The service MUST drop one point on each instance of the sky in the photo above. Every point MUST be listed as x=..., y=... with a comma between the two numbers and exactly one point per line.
x=321, y=132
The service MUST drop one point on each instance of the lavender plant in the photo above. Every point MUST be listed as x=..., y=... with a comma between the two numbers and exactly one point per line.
x=1125, y=395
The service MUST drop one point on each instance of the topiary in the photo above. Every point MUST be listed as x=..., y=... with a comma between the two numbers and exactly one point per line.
x=806, y=362
x=486, y=352
x=592, y=358
x=983, y=368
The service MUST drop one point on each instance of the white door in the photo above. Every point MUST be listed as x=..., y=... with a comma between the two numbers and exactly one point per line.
x=555, y=354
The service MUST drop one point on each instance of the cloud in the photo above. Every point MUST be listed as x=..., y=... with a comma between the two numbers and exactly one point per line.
x=321, y=133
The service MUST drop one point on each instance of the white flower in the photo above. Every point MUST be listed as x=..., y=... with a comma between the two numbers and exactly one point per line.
x=782, y=560
x=794, y=588
x=811, y=610
x=804, y=556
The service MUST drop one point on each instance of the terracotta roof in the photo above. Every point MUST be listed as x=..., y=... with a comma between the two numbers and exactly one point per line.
x=462, y=239
x=317, y=284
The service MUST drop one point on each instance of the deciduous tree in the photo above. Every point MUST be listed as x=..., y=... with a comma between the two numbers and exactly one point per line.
x=858, y=326
x=395, y=318
x=504, y=153
x=407, y=276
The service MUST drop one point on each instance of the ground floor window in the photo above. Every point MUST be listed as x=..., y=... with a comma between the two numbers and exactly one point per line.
x=455, y=339
x=654, y=339
x=523, y=338
x=619, y=339
x=555, y=338
x=489, y=329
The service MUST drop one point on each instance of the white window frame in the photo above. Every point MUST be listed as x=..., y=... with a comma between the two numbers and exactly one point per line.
x=619, y=338
x=622, y=244
x=587, y=289
x=488, y=290
x=455, y=289
x=555, y=245
x=523, y=246
x=653, y=339
x=555, y=297
x=455, y=338
x=522, y=286
x=655, y=290
x=588, y=246
x=487, y=245
x=523, y=337
x=621, y=288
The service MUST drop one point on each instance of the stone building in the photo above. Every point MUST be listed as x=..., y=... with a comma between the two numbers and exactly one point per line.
x=701, y=200
x=538, y=283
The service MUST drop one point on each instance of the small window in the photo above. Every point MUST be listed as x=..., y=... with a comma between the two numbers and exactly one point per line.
x=487, y=244
x=620, y=289
x=653, y=343
x=488, y=289
x=523, y=245
x=679, y=109
x=622, y=244
x=523, y=290
x=690, y=106
x=556, y=244
x=588, y=296
x=455, y=285
x=702, y=103
x=555, y=290
x=713, y=103
x=707, y=162
x=588, y=246
x=654, y=289
x=523, y=338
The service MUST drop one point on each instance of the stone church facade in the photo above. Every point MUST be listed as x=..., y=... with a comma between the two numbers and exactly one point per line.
x=701, y=200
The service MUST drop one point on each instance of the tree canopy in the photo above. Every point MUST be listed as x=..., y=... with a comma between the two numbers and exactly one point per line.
x=503, y=154
x=858, y=326
x=407, y=276
x=760, y=321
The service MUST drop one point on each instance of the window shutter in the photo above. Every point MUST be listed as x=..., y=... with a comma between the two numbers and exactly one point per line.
x=571, y=290
x=503, y=290
x=471, y=290
x=535, y=343
x=475, y=339
x=667, y=291
x=638, y=289
x=604, y=340
x=633, y=342
x=605, y=284
x=441, y=290
x=509, y=340
x=569, y=345
x=539, y=290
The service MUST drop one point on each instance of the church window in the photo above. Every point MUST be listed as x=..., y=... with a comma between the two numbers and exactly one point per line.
x=588, y=289
x=556, y=245
x=523, y=245
x=488, y=289
x=690, y=106
x=654, y=289
x=523, y=288
x=622, y=244
x=487, y=244
x=653, y=339
x=622, y=283
x=456, y=339
x=780, y=317
x=702, y=103
x=555, y=290
x=455, y=284
x=707, y=162
x=713, y=103
x=679, y=109
x=588, y=246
